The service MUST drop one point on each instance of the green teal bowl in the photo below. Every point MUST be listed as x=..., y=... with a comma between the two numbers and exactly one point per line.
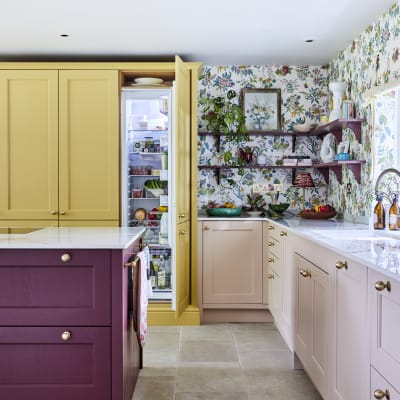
x=279, y=208
x=224, y=212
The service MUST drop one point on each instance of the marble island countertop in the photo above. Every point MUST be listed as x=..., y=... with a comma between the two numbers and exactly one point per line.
x=70, y=238
x=379, y=250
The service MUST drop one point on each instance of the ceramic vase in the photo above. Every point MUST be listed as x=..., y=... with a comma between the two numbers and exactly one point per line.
x=337, y=88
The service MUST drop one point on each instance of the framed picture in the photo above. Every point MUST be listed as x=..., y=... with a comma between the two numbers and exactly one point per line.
x=262, y=109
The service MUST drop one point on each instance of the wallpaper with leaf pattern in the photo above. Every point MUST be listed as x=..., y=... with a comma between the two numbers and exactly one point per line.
x=370, y=60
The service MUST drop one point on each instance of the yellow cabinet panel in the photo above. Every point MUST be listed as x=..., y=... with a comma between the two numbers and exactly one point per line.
x=89, y=143
x=182, y=279
x=182, y=141
x=28, y=144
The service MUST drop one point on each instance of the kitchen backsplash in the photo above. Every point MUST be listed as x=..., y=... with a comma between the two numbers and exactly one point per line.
x=303, y=98
x=370, y=60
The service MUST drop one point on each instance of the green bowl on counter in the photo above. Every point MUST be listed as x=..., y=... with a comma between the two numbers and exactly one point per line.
x=279, y=208
x=224, y=212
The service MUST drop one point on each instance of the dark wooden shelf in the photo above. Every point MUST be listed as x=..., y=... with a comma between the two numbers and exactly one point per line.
x=336, y=166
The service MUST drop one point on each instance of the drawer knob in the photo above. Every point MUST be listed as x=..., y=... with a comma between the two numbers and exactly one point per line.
x=66, y=335
x=182, y=232
x=206, y=228
x=53, y=212
x=62, y=213
x=271, y=259
x=282, y=233
x=270, y=244
x=181, y=216
x=271, y=276
x=305, y=273
x=380, y=394
x=341, y=264
x=271, y=227
x=379, y=286
x=66, y=257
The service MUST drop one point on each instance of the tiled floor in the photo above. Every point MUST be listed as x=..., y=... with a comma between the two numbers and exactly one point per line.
x=220, y=362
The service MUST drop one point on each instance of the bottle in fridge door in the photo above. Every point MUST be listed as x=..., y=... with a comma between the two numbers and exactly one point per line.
x=147, y=195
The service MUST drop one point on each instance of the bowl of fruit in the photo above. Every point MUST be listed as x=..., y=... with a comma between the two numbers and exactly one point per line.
x=227, y=209
x=319, y=212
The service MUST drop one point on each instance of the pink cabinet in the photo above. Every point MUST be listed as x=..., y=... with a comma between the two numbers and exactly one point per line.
x=67, y=325
x=311, y=322
x=384, y=295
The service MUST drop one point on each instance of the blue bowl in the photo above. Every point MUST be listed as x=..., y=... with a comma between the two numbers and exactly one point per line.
x=342, y=157
x=224, y=212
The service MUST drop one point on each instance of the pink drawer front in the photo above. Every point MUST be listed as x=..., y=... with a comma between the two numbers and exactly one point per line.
x=37, y=363
x=38, y=288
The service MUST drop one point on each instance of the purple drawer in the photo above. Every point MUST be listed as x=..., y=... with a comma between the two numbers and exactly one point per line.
x=36, y=363
x=38, y=288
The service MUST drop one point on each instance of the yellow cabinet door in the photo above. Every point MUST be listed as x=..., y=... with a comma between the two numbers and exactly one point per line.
x=28, y=145
x=182, y=141
x=89, y=145
x=182, y=272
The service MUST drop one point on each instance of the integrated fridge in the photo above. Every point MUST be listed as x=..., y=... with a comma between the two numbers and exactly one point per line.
x=147, y=185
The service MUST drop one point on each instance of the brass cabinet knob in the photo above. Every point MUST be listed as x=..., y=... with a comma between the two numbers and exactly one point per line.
x=305, y=273
x=380, y=394
x=62, y=213
x=282, y=233
x=271, y=227
x=182, y=232
x=181, y=216
x=271, y=276
x=341, y=264
x=66, y=257
x=271, y=259
x=379, y=286
x=206, y=228
x=53, y=212
x=270, y=244
x=66, y=335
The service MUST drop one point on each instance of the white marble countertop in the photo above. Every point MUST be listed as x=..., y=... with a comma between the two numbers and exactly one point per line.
x=379, y=250
x=72, y=238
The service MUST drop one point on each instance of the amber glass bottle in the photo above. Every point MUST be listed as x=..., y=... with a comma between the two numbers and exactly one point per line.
x=379, y=214
x=393, y=212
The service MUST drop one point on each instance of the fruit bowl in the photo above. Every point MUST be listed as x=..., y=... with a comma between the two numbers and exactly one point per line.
x=279, y=208
x=224, y=212
x=308, y=214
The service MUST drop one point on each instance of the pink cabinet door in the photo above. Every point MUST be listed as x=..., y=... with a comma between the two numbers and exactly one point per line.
x=55, y=287
x=381, y=388
x=43, y=363
x=385, y=310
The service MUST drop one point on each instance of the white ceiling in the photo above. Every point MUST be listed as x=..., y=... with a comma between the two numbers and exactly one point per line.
x=216, y=32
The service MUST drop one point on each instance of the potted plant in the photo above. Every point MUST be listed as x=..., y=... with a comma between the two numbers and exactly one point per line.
x=255, y=201
x=225, y=116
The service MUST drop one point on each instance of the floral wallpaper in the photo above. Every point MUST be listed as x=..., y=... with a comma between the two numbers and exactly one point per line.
x=304, y=98
x=369, y=61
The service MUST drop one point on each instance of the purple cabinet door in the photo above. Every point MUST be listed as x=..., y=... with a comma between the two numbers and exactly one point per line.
x=38, y=288
x=47, y=363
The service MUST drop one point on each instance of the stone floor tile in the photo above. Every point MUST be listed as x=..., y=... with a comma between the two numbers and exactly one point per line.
x=261, y=340
x=207, y=351
x=154, y=388
x=168, y=359
x=266, y=359
x=211, y=396
x=207, y=332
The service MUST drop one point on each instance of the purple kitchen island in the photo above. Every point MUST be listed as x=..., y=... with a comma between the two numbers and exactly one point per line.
x=69, y=314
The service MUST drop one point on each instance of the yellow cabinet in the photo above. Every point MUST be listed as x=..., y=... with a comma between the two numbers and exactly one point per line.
x=59, y=146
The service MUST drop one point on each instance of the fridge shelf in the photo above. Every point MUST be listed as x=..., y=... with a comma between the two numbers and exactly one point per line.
x=145, y=131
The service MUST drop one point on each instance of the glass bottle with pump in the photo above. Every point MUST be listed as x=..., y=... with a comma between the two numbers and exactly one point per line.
x=379, y=214
x=393, y=212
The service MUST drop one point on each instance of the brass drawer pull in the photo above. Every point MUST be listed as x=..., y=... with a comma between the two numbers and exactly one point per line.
x=271, y=259
x=380, y=394
x=53, y=212
x=62, y=212
x=182, y=232
x=270, y=244
x=271, y=276
x=341, y=264
x=66, y=335
x=271, y=227
x=282, y=233
x=206, y=228
x=66, y=257
x=379, y=286
x=305, y=273
x=181, y=216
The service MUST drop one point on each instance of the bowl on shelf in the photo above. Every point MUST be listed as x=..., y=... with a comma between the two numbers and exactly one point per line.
x=304, y=127
x=224, y=212
x=279, y=208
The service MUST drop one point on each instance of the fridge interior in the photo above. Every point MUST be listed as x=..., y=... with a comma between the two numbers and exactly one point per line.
x=147, y=185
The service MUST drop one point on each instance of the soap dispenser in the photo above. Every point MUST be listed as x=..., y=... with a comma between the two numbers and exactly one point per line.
x=379, y=214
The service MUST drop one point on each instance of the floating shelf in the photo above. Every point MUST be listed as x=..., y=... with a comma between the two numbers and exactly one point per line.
x=336, y=167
